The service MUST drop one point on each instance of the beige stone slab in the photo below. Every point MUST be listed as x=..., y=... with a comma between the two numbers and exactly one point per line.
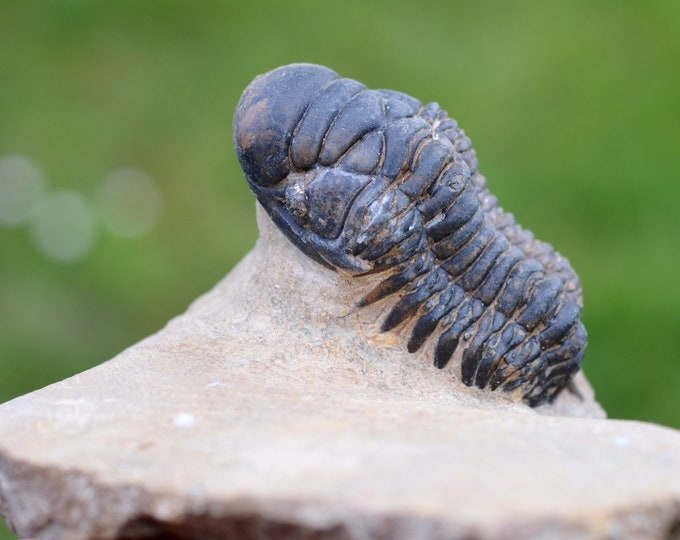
x=271, y=409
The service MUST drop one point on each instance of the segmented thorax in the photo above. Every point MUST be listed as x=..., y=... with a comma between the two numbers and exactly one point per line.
x=373, y=182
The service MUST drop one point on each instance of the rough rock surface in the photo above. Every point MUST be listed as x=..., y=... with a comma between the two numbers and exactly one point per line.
x=269, y=410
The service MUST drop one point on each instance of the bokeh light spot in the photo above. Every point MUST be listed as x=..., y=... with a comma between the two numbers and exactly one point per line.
x=64, y=226
x=129, y=203
x=21, y=185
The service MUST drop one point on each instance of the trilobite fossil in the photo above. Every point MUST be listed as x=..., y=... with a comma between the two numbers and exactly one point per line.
x=373, y=182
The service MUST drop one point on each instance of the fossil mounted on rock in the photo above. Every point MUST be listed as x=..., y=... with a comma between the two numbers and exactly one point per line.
x=373, y=183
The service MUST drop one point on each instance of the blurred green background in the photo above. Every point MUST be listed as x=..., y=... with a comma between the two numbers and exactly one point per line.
x=573, y=108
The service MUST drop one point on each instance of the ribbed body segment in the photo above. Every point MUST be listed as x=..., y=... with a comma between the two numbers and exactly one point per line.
x=374, y=182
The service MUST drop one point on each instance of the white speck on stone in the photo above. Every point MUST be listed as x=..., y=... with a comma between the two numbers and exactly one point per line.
x=184, y=420
x=621, y=440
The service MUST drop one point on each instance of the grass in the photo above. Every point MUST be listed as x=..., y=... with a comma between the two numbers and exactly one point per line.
x=572, y=108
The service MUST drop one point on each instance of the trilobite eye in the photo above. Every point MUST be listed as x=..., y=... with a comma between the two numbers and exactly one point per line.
x=296, y=201
x=329, y=197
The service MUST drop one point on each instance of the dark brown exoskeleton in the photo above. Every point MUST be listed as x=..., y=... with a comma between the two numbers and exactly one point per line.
x=372, y=181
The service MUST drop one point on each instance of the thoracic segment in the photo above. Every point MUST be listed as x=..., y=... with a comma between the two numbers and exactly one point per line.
x=374, y=182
